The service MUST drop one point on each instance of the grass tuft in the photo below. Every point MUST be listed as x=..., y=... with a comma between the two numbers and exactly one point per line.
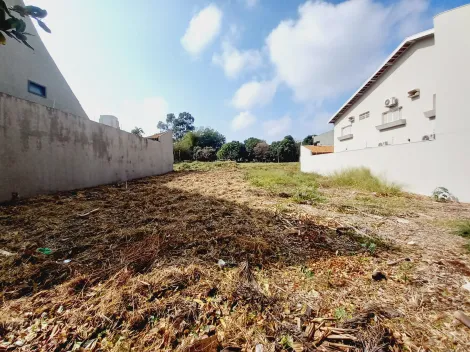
x=462, y=228
x=361, y=178
x=204, y=166
x=285, y=181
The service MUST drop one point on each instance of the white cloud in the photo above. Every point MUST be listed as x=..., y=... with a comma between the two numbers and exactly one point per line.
x=278, y=128
x=254, y=93
x=203, y=29
x=234, y=61
x=251, y=3
x=243, y=120
x=331, y=48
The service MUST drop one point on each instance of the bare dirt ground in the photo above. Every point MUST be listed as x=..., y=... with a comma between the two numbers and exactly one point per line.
x=142, y=273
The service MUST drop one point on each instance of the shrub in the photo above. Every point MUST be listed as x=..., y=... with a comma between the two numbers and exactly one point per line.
x=204, y=154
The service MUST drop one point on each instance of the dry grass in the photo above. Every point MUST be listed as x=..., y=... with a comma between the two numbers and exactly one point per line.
x=362, y=179
x=144, y=276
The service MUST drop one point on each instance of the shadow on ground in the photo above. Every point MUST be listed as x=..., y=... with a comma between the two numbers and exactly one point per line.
x=142, y=226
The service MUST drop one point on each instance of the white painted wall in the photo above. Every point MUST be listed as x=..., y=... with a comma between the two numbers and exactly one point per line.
x=415, y=69
x=453, y=70
x=419, y=167
x=20, y=64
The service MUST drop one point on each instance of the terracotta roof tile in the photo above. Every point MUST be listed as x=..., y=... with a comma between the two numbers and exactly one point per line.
x=320, y=149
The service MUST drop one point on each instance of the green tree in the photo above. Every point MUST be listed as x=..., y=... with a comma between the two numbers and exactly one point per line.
x=309, y=139
x=138, y=131
x=180, y=125
x=250, y=144
x=284, y=151
x=232, y=151
x=183, y=149
x=261, y=152
x=208, y=137
x=14, y=27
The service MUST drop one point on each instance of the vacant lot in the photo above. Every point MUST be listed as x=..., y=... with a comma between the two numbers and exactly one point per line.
x=228, y=256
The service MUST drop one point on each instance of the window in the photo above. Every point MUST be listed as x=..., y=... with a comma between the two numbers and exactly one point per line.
x=364, y=116
x=346, y=130
x=391, y=116
x=37, y=89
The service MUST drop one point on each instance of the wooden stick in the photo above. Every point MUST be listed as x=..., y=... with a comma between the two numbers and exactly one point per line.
x=90, y=212
x=464, y=319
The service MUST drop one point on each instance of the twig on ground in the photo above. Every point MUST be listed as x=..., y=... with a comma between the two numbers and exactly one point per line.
x=89, y=213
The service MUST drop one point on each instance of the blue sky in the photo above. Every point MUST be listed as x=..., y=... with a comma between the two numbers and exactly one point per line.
x=247, y=68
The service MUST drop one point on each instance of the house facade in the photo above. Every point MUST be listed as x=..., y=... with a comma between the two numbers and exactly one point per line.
x=33, y=75
x=410, y=121
x=397, y=104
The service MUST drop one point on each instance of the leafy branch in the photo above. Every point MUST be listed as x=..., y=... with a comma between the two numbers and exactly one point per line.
x=14, y=27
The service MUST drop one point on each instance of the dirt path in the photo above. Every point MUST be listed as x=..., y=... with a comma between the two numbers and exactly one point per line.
x=144, y=273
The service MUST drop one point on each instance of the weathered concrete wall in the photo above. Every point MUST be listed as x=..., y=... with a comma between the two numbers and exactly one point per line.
x=44, y=150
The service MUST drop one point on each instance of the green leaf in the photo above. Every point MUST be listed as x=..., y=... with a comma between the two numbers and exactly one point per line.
x=35, y=12
x=45, y=251
x=19, y=35
x=27, y=44
x=3, y=40
x=43, y=26
x=20, y=10
x=4, y=7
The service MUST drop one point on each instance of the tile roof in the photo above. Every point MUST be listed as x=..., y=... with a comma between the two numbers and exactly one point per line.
x=156, y=135
x=320, y=149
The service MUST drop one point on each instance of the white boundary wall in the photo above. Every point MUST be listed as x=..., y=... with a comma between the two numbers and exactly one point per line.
x=419, y=167
x=45, y=150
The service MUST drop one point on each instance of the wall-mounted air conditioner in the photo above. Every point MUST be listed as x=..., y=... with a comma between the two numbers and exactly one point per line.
x=413, y=93
x=429, y=137
x=391, y=102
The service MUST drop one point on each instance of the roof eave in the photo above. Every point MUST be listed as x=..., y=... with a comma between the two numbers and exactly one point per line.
x=387, y=63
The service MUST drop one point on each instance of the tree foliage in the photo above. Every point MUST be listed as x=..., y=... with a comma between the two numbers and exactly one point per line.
x=285, y=150
x=308, y=140
x=14, y=27
x=250, y=144
x=261, y=152
x=209, y=138
x=180, y=125
x=234, y=151
x=183, y=148
x=138, y=131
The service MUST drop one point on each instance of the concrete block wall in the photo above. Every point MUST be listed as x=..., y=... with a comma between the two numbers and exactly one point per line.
x=44, y=150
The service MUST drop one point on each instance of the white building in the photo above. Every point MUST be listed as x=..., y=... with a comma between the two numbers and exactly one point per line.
x=396, y=104
x=410, y=121
x=33, y=75
x=109, y=120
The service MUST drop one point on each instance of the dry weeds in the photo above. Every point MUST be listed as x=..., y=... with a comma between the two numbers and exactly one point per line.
x=144, y=274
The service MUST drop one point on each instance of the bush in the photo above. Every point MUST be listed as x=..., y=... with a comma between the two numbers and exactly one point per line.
x=204, y=154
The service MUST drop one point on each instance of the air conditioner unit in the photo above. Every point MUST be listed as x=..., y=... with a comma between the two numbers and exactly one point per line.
x=429, y=137
x=391, y=102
